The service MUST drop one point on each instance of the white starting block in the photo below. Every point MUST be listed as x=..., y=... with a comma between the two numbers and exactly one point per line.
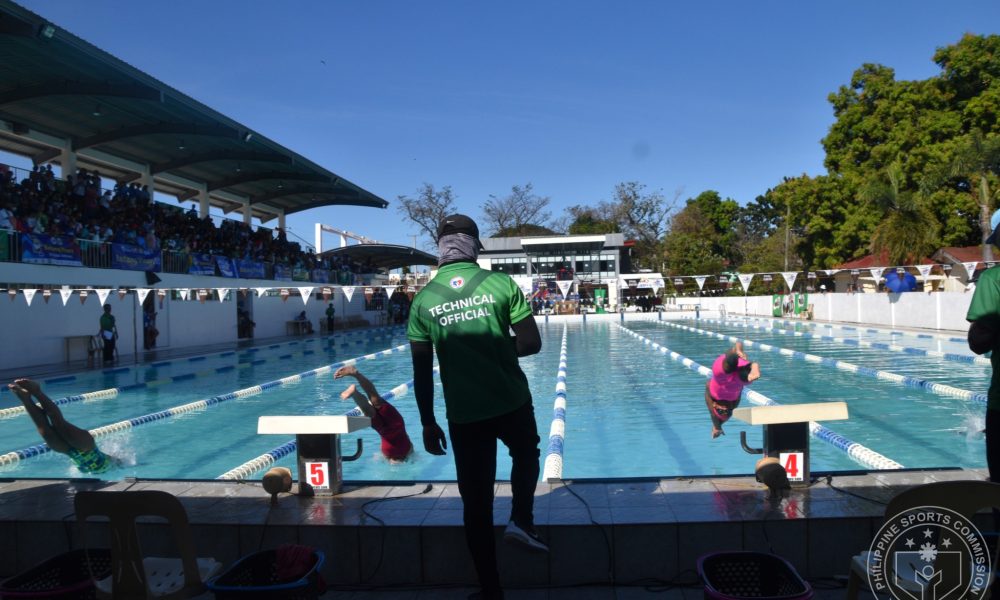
x=786, y=433
x=317, y=440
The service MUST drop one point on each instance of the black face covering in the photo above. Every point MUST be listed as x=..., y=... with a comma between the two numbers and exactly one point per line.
x=456, y=247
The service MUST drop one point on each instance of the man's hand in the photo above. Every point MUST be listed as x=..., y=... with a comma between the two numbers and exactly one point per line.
x=434, y=440
x=28, y=385
x=348, y=371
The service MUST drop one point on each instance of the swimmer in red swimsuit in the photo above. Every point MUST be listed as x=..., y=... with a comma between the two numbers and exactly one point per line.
x=386, y=420
x=730, y=373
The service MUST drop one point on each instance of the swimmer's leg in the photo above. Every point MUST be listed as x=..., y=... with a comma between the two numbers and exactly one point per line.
x=40, y=419
x=79, y=439
x=363, y=403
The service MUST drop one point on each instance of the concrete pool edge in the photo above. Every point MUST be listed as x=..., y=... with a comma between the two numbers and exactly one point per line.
x=642, y=528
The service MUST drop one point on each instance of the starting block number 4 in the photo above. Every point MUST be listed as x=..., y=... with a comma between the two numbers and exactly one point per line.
x=792, y=462
x=318, y=475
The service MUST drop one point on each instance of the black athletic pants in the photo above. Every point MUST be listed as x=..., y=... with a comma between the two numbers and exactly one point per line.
x=475, y=448
x=109, y=349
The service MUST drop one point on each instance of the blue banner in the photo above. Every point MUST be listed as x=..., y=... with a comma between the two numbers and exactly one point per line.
x=134, y=258
x=282, y=273
x=321, y=276
x=250, y=269
x=50, y=250
x=202, y=264
x=227, y=266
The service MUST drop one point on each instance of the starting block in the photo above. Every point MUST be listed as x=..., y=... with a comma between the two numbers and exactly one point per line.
x=786, y=433
x=317, y=440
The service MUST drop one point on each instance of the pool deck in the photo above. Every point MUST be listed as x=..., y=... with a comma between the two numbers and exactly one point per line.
x=648, y=531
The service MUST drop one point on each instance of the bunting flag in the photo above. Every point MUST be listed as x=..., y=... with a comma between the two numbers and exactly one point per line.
x=389, y=289
x=830, y=272
x=184, y=292
x=202, y=296
x=83, y=296
x=223, y=293
x=12, y=294
x=29, y=295
x=46, y=294
x=102, y=295
x=766, y=277
x=564, y=286
x=657, y=284
x=700, y=280
x=160, y=295
x=349, y=292
x=65, y=293
x=327, y=293
x=679, y=282
x=925, y=270
x=790, y=278
x=284, y=294
x=745, y=280
x=141, y=293
x=306, y=293
x=261, y=291
x=970, y=267
x=877, y=273
x=122, y=293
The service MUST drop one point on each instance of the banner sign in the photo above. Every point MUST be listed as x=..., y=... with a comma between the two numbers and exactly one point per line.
x=745, y=280
x=227, y=266
x=50, y=250
x=299, y=274
x=250, y=269
x=678, y=282
x=766, y=277
x=282, y=273
x=790, y=278
x=134, y=258
x=201, y=264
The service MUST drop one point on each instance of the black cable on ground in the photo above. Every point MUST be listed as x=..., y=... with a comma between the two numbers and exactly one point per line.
x=366, y=513
x=607, y=540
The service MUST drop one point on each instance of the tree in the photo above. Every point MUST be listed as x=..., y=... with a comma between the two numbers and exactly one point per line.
x=428, y=208
x=977, y=159
x=512, y=213
x=908, y=229
x=645, y=218
x=691, y=247
x=525, y=230
x=591, y=220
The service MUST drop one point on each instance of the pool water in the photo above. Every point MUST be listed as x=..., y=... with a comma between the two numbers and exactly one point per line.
x=631, y=411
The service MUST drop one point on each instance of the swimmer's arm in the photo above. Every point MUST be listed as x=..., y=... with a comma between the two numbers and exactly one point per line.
x=526, y=337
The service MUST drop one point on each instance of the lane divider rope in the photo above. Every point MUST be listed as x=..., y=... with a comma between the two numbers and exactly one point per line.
x=940, y=389
x=256, y=465
x=902, y=332
x=557, y=432
x=13, y=457
x=860, y=454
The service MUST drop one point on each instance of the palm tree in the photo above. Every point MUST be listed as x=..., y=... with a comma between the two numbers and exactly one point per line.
x=909, y=230
x=976, y=158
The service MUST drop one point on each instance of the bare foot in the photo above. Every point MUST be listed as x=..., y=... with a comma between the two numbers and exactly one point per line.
x=717, y=431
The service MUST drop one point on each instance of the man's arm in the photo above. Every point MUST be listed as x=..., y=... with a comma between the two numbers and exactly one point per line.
x=983, y=333
x=423, y=390
x=527, y=340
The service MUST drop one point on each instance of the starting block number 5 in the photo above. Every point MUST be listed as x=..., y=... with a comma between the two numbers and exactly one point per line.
x=318, y=475
x=792, y=461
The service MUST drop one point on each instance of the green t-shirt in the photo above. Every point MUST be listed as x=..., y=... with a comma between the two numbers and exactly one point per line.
x=986, y=303
x=466, y=312
x=107, y=322
x=329, y=312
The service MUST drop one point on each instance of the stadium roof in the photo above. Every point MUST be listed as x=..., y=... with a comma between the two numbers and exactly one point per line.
x=58, y=90
x=384, y=256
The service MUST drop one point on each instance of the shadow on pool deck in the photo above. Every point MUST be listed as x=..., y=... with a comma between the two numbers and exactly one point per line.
x=621, y=532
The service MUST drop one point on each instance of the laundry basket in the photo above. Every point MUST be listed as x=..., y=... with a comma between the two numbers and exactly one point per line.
x=255, y=577
x=68, y=576
x=739, y=575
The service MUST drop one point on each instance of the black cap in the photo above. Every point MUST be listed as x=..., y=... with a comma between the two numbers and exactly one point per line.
x=459, y=224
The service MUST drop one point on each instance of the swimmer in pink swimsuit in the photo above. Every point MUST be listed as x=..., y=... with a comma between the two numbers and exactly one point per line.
x=730, y=373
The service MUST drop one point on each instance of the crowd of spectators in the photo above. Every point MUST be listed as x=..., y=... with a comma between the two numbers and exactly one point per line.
x=78, y=207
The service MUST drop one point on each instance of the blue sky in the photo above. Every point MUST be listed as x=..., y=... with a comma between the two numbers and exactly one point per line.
x=573, y=97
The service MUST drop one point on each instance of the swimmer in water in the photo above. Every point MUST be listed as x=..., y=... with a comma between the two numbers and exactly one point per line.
x=386, y=420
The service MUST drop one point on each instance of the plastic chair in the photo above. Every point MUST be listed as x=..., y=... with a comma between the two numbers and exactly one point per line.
x=964, y=497
x=132, y=575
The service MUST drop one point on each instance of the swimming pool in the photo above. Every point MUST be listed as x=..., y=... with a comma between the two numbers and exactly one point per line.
x=630, y=411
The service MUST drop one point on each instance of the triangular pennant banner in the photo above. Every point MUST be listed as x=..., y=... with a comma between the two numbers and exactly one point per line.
x=790, y=278
x=261, y=291
x=223, y=293
x=202, y=296
x=29, y=295
x=12, y=294
x=657, y=284
x=700, y=279
x=65, y=293
x=564, y=286
x=284, y=294
x=389, y=289
x=349, y=292
x=142, y=293
x=327, y=293
x=925, y=270
x=305, y=292
x=83, y=296
x=102, y=295
x=877, y=272
x=122, y=293
x=184, y=292
x=970, y=267
x=46, y=294
x=745, y=280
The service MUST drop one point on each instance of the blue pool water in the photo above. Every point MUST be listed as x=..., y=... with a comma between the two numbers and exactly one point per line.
x=631, y=411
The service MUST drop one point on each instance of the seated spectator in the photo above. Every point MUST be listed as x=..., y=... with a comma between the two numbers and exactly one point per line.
x=302, y=317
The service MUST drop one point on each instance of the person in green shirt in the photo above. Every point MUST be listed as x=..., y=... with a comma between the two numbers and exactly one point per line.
x=984, y=336
x=465, y=315
x=329, y=318
x=108, y=334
